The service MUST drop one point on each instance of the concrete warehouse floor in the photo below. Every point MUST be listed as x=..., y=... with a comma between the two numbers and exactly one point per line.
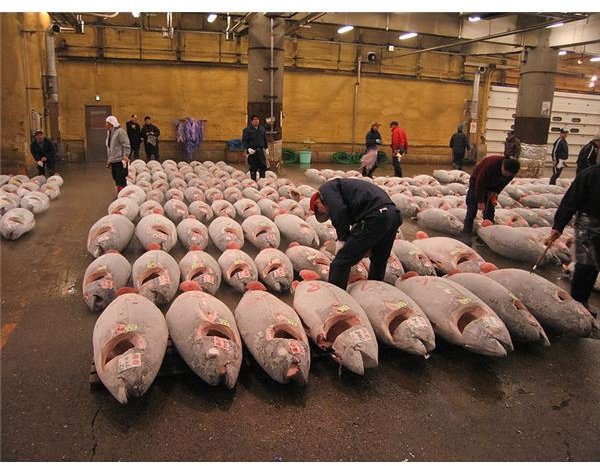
x=537, y=404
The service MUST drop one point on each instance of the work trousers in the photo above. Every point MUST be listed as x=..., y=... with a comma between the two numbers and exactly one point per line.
x=397, y=165
x=151, y=151
x=587, y=257
x=258, y=164
x=555, y=174
x=119, y=174
x=457, y=160
x=369, y=171
x=135, y=150
x=375, y=233
x=471, y=201
x=49, y=165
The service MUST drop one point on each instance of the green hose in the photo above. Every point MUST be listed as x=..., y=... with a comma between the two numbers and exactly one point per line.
x=289, y=156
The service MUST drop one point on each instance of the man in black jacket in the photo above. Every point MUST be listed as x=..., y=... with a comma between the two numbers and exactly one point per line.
x=254, y=139
x=43, y=152
x=459, y=144
x=512, y=146
x=365, y=219
x=588, y=155
x=560, y=153
x=372, y=140
x=134, y=133
x=150, y=134
x=582, y=199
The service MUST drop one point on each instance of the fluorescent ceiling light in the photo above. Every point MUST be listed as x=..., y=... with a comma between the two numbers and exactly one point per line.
x=562, y=52
x=474, y=19
x=211, y=18
x=408, y=35
x=135, y=14
x=556, y=25
x=595, y=59
x=344, y=29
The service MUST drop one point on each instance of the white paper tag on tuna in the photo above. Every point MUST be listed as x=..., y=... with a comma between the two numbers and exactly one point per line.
x=103, y=237
x=325, y=270
x=129, y=361
x=222, y=343
x=360, y=335
x=279, y=272
x=194, y=238
x=488, y=322
x=164, y=279
x=244, y=274
x=106, y=283
x=296, y=347
x=207, y=278
x=159, y=235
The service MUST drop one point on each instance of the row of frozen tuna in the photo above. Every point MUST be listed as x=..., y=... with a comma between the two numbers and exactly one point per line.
x=475, y=311
x=21, y=198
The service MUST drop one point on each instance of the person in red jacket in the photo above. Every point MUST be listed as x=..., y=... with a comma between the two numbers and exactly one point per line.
x=489, y=178
x=399, y=147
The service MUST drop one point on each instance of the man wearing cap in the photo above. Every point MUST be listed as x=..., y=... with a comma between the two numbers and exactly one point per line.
x=560, y=153
x=582, y=200
x=43, y=152
x=117, y=149
x=365, y=219
x=588, y=155
x=399, y=147
x=150, y=134
x=512, y=146
x=372, y=140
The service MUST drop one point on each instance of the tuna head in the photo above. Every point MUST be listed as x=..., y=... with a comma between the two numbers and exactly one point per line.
x=483, y=333
x=411, y=332
x=99, y=290
x=216, y=355
x=286, y=358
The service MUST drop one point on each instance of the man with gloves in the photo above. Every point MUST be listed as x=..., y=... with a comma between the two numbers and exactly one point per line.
x=118, y=149
x=366, y=221
x=399, y=147
x=560, y=153
x=43, y=152
x=254, y=138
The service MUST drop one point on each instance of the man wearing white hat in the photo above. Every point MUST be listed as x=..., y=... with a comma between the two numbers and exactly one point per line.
x=117, y=149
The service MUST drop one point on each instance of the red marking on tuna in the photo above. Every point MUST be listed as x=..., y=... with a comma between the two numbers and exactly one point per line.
x=293, y=244
x=196, y=247
x=189, y=285
x=421, y=235
x=153, y=247
x=233, y=245
x=488, y=267
x=309, y=275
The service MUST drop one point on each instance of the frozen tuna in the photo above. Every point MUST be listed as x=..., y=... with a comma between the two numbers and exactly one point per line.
x=261, y=232
x=103, y=278
x=325, y=231
x=156, y=276
x=307, y=258
x=151, y=207
x=412, y=258
x=134, y=192
x=112, y=231
x=16, y=222
x=202, y=211
x=156, y=229
x=176, y=210
x=449, y=255
x=294, y=229
x=192, y=233
x=274, y=269
x=440, y=220
x=200, y=267
x=246, y=207
x=125, y=206
x=36, y=202
x=222, y=208
x=238, y=269
x=224, y=231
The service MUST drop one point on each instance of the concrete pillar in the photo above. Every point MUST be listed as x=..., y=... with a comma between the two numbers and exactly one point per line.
x=265, y=73
x=534, y=103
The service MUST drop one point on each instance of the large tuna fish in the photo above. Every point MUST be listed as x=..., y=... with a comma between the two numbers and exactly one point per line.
x=325, y=231
x=246, y=207
x=412, y=258
x=103, y=277
x=274, y=269
x=202, y=211
x=458, y=316
x=273, y=334
x=238, y=268
x=306, y=258
x=396, y=319
x=223, y=208
x=151, y=207
x=553, y=307
x=192, y=233
x=200, y=267
x=521, y=324
x=509, y=217
x=335, y=321
x=538, y=200
x=156, y=229
x=156, y=276
x=269, y=208
x=292, y=207
x=224, y=231
x=125, y=206
x=515, y=243
x=134, y=192
x=204, y=331
x=36, y=202
x=449, y=255
x=251, y=192
x=8, y=201
x=130, y=339
x=154, y=195
x=176, y=210
x=261, y=232
x=232, y=194
x=110, y=232
x=532, y=217
x=193, y=193
x=440, y=220
x=294, y=229
x=393, y=268
x=16, y=222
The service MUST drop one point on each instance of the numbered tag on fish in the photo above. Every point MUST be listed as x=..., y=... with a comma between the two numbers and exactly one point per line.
x=208, y=278
x=164, y=279
x=279, y=272
x=106, y=283
x=342, y=308
x=128, y=362
x=464, y=300
x=125, y=328
x=243, y=274
x=159, y=235
x=222, y=343
x=296, y=347
x=104, y=237
x=360, y=335
x=224, y=322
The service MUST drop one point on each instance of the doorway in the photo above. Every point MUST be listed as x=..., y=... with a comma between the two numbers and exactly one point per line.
x=95, y=132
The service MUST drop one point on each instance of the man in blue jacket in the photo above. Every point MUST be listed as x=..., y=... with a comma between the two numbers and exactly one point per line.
x=43, y=152
x=365, y=219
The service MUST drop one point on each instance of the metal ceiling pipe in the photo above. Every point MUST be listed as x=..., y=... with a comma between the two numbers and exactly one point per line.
x=51, y=75
x=309, y=18
x=240, y=22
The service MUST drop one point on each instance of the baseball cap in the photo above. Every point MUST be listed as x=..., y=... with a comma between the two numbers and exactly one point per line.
x=564, y=130
x=322, y=218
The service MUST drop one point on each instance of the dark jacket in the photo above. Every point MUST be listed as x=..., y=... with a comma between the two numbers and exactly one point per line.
x=351, y=200
x=588, y=156
x=459, y=143
x=512, y=147
x=371, y=138
x=148, y=130
x=560, y=150
x=487, y=178
x=254, y=138
x=134, y=133
x=581, y=197
x=45, y=150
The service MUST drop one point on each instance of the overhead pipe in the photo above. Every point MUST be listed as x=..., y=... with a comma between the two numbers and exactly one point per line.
x=309, y=18
x=355, y=102
x=240, y=22
x=51, y=75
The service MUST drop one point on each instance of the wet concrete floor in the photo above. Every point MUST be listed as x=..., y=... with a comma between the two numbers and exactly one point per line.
x=537, y=404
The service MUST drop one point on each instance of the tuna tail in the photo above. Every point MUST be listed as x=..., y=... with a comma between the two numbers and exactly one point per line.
x=255, y=286
x=486, y=223
x=196, y=247
x=293, y=244
x=413, y=335
x=421, y=235
x=488, y=267
x=189, y=285
x=233, y=245
x=153, y=247
x=125, y=290
x=309, y=275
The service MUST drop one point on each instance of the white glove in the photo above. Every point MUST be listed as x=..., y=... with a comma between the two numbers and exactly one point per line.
x=267, y=153
x=339, y=245
x=378, y=141
x=398, y=155
x=560, y=164
x=251, y=151
x=40, y=163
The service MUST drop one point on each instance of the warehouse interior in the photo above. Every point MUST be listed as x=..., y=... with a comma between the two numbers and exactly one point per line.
x=323, y=78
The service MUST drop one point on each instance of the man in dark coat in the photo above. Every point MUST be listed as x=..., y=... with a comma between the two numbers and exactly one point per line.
x=150, y=134
x=512, y=146
x=43, y=152
x=372, y=140
x=134, y=133
x=588, y=155
x=459, y=144
x=254, y=138
x=560, y=153
x=365, y=219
